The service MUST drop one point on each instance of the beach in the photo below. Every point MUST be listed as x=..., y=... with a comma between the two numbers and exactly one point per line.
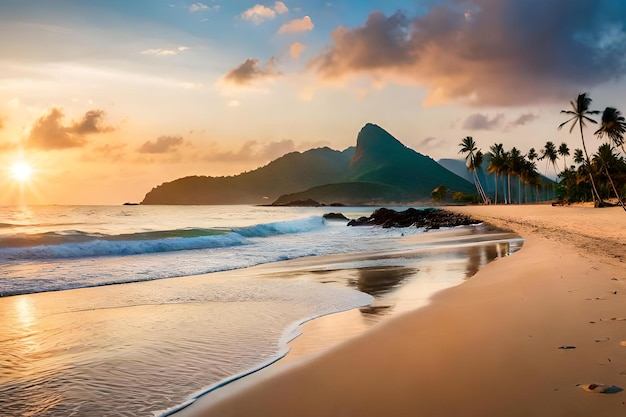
x=520, y=338
x=108, y=311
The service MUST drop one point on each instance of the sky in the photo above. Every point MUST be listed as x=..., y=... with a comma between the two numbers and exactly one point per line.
x=106, y=99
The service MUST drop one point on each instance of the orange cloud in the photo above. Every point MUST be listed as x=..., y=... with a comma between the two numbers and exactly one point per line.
x=48, y=132
x=296, y=49
x=280, y=7
x=163, y=144
x=297, y=25
x=252, y=151
x=258, y=13
x=250, y=71
x=497, y=53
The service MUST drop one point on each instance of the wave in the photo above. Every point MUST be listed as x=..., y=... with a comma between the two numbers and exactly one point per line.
x=307, y=224
x=79, y=244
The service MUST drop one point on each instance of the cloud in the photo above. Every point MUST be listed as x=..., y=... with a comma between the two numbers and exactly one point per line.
x=112, y=153
x=250, y=71
x=507, y=52
x=253, y=151
x=258, y=13
x=91, y=123
x=163, y=144
x=201, y=7
x=482, y=122
x=428, y=143
x=297, y=25
x=1, y=123
x=280, y=7
x=523, y=119
x=165, y=52
x=49, y=133
x=197, y=7
x=296, y=49
x=234, y=103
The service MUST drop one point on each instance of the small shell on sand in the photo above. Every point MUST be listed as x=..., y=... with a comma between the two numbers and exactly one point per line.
x=601, y=388
x=623, y=343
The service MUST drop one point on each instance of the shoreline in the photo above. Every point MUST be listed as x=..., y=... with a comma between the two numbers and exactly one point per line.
x=487, y=347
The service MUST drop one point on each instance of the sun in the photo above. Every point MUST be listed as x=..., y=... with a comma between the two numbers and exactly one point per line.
x=21, y=171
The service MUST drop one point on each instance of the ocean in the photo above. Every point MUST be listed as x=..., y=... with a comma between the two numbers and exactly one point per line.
x=137, y=310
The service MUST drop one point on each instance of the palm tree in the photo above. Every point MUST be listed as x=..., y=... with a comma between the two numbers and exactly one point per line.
x=473, y=160
x=604, y=159
x=534, y=179
x=549, y=152
x=496, y=164
x=613, y=126
x=579, y=115
x=578, y=156
x=564, y=152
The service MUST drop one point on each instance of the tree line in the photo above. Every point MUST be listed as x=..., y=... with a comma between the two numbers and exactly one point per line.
x=597, y=178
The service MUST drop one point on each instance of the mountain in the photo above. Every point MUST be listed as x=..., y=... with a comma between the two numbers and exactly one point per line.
x=290, y=173
x=379, y=170
x=383, y=170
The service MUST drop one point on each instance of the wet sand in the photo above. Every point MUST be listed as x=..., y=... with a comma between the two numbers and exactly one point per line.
x=489, y=347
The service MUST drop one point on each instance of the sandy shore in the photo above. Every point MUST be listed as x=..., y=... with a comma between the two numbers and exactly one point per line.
x=489, y=347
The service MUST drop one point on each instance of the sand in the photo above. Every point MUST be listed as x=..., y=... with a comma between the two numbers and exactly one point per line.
x=488, y=347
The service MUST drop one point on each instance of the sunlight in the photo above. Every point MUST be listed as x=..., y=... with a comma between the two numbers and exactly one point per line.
x=21, y=171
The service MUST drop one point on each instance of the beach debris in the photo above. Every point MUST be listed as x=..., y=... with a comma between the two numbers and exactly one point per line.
x=601, y=388
x=622, y=343
x=567, y=347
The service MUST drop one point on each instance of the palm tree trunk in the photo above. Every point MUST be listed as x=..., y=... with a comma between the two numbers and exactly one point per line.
x=593, y=183
x=508, y=180
x=619, y=198
x=537, y=193
x=495, y=199
x=479, y=188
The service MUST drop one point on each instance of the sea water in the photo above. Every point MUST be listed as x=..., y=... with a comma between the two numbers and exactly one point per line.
x=91, y=326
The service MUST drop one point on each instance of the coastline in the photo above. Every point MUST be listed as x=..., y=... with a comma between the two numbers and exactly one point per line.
x=487, y=347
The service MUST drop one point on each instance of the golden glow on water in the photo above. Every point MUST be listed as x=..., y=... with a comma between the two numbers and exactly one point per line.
x=27, y=340
x=24, y=311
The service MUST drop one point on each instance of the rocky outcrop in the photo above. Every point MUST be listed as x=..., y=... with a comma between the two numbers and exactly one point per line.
x=335, y=216
x=429, y=218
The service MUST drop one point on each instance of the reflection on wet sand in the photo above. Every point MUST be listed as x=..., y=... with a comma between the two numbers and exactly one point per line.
x=400, y=282
x=479, y=256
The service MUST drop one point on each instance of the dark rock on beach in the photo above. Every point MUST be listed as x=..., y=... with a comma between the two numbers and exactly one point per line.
x=429, y=218
x=335, y=216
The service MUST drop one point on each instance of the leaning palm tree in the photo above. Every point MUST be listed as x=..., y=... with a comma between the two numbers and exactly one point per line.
x=564, y=152
x=473, y=160
x=613, y=126
x=579, y=115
